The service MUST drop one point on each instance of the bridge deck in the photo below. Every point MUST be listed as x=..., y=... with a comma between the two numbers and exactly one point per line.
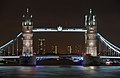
x=45, y=56
x=9, y=56
x=113, y=57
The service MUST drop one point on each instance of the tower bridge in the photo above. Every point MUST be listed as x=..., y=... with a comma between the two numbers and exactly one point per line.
x=96, y=46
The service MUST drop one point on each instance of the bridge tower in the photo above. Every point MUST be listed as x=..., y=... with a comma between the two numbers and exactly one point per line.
x=91, y=57
x=91, y=41
x=27, y=50
x=27, y=26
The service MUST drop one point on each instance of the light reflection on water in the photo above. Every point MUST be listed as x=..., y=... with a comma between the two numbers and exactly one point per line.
x=59, y=71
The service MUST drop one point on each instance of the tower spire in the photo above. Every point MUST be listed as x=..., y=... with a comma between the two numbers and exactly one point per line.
x=90, y=19
x=27, y=18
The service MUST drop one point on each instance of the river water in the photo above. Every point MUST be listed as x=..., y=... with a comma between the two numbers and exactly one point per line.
x=59, y=72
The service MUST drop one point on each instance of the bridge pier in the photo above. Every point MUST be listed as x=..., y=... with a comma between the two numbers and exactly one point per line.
x=91, y=60
x=28, y=61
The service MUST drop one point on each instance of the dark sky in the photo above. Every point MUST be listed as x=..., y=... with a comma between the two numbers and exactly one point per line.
x=67, y=13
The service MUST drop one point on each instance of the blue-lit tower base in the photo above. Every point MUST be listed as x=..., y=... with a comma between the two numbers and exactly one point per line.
x=91, y=60
x=28, y=61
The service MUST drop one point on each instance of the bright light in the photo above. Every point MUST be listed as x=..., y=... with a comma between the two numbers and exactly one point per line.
x=91, y=44
x=59, y=28
x=92, y=67
x=27, y=31
x=81, y=58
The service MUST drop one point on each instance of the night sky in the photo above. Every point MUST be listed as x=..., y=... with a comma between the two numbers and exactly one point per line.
x=67, y=13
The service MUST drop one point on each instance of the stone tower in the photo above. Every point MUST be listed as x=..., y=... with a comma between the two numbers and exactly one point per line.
x=27, y=26
x=91, y=41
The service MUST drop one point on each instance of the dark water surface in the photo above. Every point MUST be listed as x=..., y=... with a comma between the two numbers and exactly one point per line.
x=59, y=72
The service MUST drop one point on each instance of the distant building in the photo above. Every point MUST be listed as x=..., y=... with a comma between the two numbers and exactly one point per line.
x=41, y=46
x=55, y=49
x=70, y=49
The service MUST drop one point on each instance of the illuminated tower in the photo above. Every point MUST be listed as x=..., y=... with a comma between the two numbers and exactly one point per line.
x=27, y=26
x=90, y=40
